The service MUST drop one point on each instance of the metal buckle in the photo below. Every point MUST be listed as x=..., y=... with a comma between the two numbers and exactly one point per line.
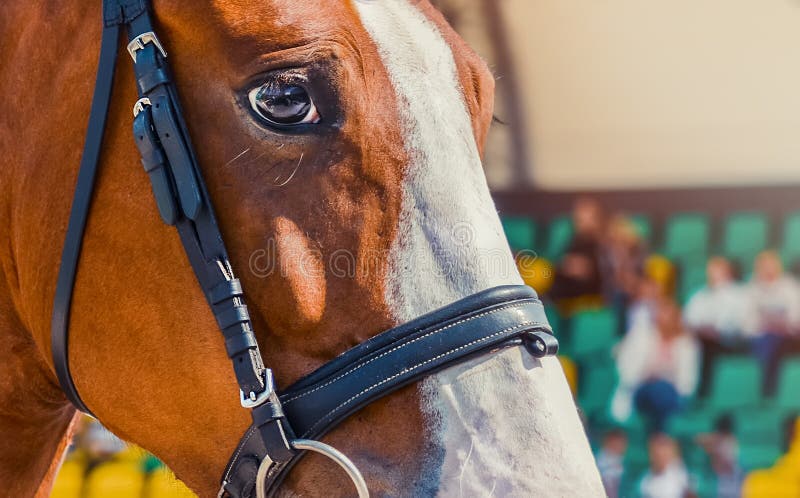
x=139, y=105
x=253, y=400
x=329, y=451
x=140, y=41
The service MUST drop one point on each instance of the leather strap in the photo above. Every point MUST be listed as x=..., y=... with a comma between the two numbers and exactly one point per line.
x=183, y=201
x=81, y=203
x=498, y=318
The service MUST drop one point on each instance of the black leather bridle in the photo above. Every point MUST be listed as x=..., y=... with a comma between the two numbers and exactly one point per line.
x=288, y=423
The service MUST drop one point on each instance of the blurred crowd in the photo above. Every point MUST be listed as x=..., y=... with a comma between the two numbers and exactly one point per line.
x=666, y=350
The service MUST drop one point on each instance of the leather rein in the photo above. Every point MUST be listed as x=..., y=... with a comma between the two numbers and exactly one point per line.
x=288, y=423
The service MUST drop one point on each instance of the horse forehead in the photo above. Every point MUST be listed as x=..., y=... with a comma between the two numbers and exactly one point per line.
x=285, y=22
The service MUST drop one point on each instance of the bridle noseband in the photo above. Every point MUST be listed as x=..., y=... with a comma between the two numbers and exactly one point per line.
x=285, y=424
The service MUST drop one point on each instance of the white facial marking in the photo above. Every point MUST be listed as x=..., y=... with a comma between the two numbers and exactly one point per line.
x=507, y=423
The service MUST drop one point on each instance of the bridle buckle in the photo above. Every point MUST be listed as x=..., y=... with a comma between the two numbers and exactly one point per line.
x=253, y=399
x=140, y=41
x=139, y=105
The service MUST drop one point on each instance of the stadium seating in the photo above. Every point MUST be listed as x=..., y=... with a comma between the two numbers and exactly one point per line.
x=735, y=383
x=759, y=426
x=765, y=484
x=686, y=240
x=559, y=234
x=595, y=390
x=790, y=243
x=520, y=232
x=69, y=481
x=692, y=278
x=686, y=236
x=592, y=335
x=745, y=234
x=758, y=455
x=787, y=398
x=115, y=479
x=643, y=226
x=162, y=484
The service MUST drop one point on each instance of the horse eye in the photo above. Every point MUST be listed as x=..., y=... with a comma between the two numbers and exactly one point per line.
x=283, y=104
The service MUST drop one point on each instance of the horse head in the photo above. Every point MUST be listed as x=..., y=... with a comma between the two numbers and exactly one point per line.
x=340, y=143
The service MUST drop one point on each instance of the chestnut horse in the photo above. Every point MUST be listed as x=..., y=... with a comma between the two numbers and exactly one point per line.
x=373, y=212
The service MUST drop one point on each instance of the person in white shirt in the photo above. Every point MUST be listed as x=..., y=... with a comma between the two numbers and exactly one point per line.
x=667, y=477
x=658, y=366
x=717, y=310
x=772, y=317
x=715, y=314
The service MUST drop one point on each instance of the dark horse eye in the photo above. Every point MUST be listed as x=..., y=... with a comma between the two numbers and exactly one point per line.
x=283, y=104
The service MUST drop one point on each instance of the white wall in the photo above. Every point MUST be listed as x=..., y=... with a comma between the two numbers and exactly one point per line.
x=649, y=93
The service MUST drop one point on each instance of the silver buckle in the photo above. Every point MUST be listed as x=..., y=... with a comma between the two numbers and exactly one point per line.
x=252, y=399
x=139, y=105
x=140, y=41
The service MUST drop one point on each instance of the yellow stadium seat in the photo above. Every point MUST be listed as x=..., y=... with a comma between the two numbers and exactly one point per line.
x=69, y=481
x=662, y=271
x=765, y=484
x=163, y=484
x=570, y=372
x=782, y=480
x=131, y=454
x=536, y=272
x=115, y=480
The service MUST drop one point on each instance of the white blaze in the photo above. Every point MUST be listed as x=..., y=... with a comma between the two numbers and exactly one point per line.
x=507, y=423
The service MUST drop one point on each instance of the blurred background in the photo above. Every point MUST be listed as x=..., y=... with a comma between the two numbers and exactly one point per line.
x=646, y=165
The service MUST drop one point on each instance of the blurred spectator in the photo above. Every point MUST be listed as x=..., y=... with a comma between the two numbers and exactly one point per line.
x=623, y=256
x=578, y=275
x=667, y=477
x=723, y=452
x=715, y=314
x=773, y=314
x=610, y=460
x=642, y=311
x=658, y=368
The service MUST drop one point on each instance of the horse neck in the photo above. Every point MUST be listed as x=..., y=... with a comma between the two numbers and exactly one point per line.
x=36, y=128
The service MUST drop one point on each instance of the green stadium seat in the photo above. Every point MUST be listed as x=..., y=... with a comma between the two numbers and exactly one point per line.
x=758, y=425
x=735, y=383
x=787, y=398
x=593, y=334
x=559, y=235
x=790, y=244
x=745, y=234
x=705, y=484
x=685, y=426
x=758, y=455
x=691, y=279
x=695, y=456
x=596, y=388
x=686, y=235
x=643, y=225
x=520, y=232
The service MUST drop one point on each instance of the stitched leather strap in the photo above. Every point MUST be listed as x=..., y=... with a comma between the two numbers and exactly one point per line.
x=488, y=321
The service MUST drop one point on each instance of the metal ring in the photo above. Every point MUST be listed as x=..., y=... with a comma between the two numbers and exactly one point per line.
x=324, y=449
